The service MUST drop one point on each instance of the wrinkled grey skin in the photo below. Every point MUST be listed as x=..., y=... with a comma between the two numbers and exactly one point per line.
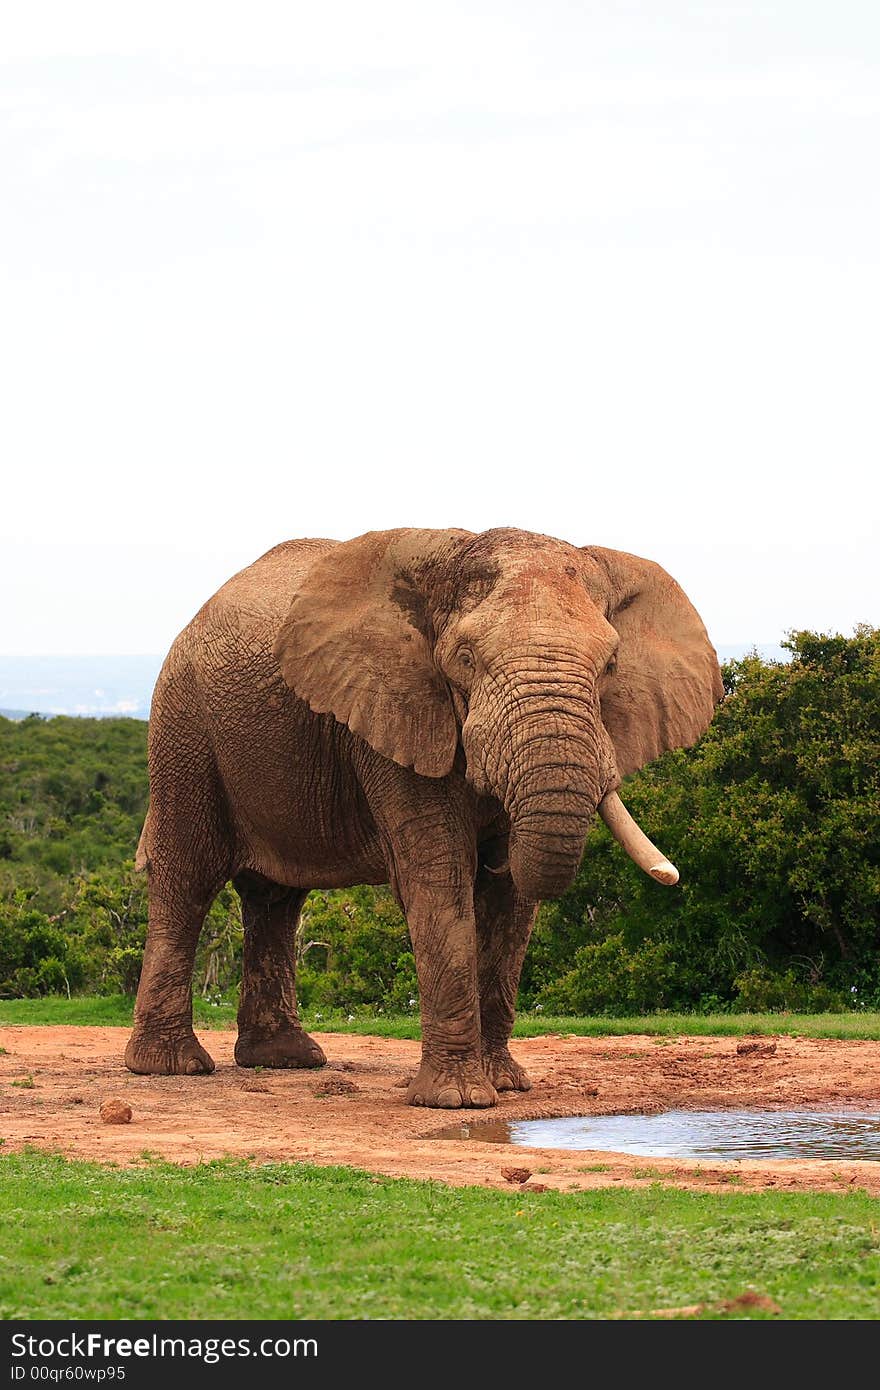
x=434, y=709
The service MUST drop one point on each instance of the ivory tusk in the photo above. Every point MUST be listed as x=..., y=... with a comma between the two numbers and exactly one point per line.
x=634, y=840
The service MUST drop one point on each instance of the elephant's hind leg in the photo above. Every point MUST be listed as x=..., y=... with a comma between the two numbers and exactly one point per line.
x=185, y=850
x=162, y=1042
x=269, y=1031
x=504, y=925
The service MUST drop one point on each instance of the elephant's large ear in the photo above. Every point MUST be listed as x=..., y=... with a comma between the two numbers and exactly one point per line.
x=357, y=643
x=667, y=681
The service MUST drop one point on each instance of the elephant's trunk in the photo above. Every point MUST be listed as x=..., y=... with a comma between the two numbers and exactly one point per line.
x=542, y=749
x=553, y=787
x=544, y=865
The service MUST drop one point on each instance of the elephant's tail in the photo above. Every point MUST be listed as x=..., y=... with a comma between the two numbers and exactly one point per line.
x=142, y=854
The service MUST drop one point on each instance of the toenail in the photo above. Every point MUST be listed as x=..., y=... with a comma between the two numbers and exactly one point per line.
x=449, y=1099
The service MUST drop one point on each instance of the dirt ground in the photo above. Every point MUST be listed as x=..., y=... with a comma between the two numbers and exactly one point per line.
x=353, y=1112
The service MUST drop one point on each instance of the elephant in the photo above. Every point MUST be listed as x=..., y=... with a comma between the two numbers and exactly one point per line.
x=440, y=710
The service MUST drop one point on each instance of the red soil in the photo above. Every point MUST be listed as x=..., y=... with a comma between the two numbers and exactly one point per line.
x=310, y=1116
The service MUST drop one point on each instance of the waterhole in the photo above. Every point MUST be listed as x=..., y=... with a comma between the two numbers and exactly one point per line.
x=715, y=1134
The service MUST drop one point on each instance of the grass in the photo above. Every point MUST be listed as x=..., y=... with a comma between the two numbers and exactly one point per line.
x=117, y=1009
x=238, y=1240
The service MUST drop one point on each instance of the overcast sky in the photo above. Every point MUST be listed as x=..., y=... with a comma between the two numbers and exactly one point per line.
x=605, y=270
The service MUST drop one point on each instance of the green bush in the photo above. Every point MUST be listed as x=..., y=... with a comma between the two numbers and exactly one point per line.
x=35, y=955
x=609, y=978
x=354, y=950
x=760, y=991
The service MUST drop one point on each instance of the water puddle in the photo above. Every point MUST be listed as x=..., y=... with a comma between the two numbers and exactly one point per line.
x=712, y=1134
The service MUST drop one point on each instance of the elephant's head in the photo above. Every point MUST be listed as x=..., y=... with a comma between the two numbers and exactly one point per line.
x=556, y=670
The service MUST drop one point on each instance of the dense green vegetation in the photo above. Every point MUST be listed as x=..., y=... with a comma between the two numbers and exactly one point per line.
x=771, y=819
x=237, y=1240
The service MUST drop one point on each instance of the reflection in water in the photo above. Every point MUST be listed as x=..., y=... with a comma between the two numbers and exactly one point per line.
x=694, y=1133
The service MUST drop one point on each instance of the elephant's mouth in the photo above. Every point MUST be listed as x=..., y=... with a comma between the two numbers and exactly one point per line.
x=627, y=832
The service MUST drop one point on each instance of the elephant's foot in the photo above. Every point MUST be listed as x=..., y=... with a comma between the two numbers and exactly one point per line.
x=291, y=1048
x=504, y=1073
x=158, y=1055
x=451, y=1086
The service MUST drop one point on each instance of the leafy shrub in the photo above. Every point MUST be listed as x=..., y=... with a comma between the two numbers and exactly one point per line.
x=35, y=956
x=609, y=978
x=354, y=950
x=759, y=991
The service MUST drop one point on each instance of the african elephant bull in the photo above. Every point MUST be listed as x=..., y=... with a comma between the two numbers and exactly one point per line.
x=439, y=710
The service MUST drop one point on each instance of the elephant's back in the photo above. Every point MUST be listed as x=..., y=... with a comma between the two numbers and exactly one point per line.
x=273, y=759
x=263, y=592
x=238, y=624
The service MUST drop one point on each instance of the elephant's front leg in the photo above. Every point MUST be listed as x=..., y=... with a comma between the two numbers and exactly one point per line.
x=451, y=1074
x=504, y=924
x=428, y=841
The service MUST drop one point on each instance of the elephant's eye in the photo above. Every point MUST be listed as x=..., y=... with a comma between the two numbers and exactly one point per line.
x=611, y=667
x=466, y=658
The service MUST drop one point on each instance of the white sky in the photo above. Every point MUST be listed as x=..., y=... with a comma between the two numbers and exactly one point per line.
x=605, y=270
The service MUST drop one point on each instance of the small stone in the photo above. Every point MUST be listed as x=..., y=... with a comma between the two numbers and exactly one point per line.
x=76, y=1100
x=516, y=1175
x=115, y=1112
x=534, y=1187
x=259, y=1086
x=755, y=1049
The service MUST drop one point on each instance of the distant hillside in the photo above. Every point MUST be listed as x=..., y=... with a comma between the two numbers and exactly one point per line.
x=73, y=793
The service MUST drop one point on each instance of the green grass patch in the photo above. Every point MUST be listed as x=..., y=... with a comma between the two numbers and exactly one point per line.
x=103, y=1010
x=117, y=1009
x=854, y=1025
x=239, y=1240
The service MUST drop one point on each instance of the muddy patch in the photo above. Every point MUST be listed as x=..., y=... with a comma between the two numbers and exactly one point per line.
x=187, y=1119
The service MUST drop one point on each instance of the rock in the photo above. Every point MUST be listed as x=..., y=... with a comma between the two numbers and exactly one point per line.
x=755, y=1049
x=115, y=1112
x=254, y=1085
x=516, y=1175
x=535, y=1187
